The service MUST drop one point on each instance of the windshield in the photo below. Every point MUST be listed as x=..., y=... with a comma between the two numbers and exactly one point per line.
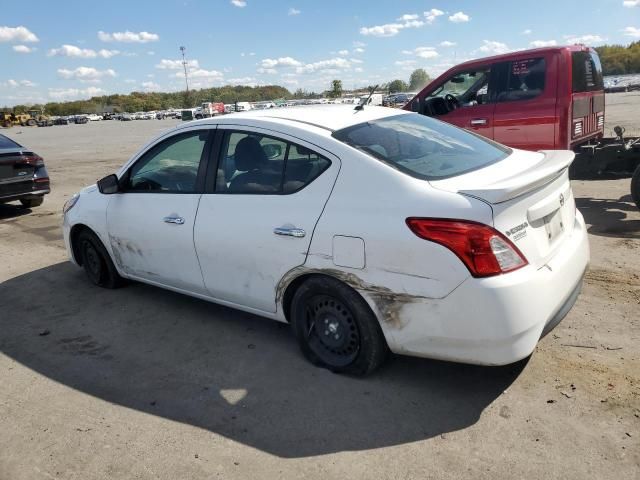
x=422, y=147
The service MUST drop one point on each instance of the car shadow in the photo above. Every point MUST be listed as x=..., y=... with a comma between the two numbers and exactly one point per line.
x=610, y=218
x=226, y=371
x=8, y=210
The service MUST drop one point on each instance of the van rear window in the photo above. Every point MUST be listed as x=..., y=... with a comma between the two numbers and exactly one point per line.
x=587, y=72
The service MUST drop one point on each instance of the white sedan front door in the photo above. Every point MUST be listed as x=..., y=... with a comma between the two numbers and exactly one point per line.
x=269, y=194
x=150, y=222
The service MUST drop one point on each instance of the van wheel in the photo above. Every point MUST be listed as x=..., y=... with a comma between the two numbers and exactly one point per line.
x=96, y=261
x=31, y=202
x=335, y=327
x=635, y=186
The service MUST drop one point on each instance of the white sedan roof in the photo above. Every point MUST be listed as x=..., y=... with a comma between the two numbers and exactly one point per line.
x=328, y=117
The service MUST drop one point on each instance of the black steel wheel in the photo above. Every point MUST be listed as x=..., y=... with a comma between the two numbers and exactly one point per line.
x=635, y=186
x=96, y=261
x=335, y=327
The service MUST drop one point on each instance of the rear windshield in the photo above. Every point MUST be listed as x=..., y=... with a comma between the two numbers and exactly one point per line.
x=422, y=147
x=587, y=72
x=7, y=143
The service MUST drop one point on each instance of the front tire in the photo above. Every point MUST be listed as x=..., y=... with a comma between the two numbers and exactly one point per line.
x=96, y=261
x=31, y=202
x=635, y=186
x=335, y=327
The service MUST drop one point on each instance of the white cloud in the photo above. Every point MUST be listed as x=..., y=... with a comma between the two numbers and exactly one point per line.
x=334, y=64
x=405, y=63
x=128, y=37
x=422, y=52
x=356, y=60
x=528, y=31
x=358, y=50
x=77, y=52
x=294, y=11
x=17, y=34
x=86, y=74
x=203, y=74
x=151, y=52
x=343, y=52
x=23, y=49
x=359, y=44
x=74, y=93
x=245, y=81
x=631, y=3
x=150, y=86
x=358, y=70
x=19, y=83
x=272, y=63
x=459, y=17
x=586, y=39
x=408, y=20
x=632, y=32
x=166, y=64
x=129, y=80
x=494, y=48
x=447, y=43
x=543, y=43
x=432, y=14
x=239, y=3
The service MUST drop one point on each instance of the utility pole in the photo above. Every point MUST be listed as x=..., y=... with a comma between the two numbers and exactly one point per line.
x=184, y=64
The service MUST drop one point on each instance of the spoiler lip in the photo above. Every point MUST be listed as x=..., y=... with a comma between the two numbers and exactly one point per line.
x=554, y=164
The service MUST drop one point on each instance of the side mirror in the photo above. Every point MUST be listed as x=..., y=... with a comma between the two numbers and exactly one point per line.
x=109, y=184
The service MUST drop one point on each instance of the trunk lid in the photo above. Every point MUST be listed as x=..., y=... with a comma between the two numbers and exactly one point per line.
x=531, y=198
x=13, y=168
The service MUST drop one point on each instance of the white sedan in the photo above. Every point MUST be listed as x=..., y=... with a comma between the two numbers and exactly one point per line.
x=367, y=230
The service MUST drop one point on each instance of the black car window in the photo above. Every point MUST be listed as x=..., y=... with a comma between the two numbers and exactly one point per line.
x=521, y=80
x=170, y=166
x=259, y=164
x=586, y=72
x=7, y=143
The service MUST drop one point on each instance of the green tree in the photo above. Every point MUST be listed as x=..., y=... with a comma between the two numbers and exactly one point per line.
x=418, y=79
x=336, y=89
x=397, y=86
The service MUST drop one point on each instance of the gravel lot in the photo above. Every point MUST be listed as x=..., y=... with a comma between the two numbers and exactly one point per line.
x=144, y=383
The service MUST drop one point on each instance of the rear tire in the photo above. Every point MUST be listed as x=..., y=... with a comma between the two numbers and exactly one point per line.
x=31, y=122
x=96, y=261
x=335, y=327
x=31, y=202
x=635, y=186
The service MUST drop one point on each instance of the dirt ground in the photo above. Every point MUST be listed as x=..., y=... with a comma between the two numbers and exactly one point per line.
x=144, y=383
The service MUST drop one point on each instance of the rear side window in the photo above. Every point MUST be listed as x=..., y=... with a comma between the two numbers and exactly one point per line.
x=7, y=142
x=422, y=147
x=524, y=80
x=259, y=164
x=587, y=72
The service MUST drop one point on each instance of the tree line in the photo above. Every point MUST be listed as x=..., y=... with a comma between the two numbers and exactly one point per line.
x=148, y=101
x=620, y=60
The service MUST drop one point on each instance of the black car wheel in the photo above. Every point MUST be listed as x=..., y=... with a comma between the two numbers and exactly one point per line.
x=335, y=327
x=96, y=261
x=31, y=202
x=635, y=186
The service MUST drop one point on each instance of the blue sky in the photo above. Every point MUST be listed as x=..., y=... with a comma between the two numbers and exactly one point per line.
x=63, y=50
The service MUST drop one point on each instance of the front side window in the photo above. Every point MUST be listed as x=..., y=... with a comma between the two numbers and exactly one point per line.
x=468, y=88
x=259, y=164
x=422, y=147
x=169, y=167
x=522, y=80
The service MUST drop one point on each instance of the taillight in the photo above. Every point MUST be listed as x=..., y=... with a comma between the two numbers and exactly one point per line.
x=484, y=250
x=32, y=159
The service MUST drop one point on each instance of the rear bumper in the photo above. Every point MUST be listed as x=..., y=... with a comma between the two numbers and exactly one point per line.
x=26, y=194
x=497, y=320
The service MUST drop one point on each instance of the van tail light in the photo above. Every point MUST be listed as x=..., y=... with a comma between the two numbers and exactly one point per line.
x=484, y=250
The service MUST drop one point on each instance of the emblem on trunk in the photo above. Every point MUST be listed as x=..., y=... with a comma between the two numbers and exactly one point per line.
x=517, y=232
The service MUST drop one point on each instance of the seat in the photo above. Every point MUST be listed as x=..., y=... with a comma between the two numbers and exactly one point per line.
x=251, y=160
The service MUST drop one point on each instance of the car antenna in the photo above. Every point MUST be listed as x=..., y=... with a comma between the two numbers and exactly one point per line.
x=361, y=105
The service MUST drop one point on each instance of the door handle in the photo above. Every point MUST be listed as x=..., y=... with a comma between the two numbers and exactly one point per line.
x=290, y=231
x=478, y=121
x=175, y=220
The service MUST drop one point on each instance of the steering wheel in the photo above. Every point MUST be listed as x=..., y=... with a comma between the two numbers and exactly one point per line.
x=452, y=102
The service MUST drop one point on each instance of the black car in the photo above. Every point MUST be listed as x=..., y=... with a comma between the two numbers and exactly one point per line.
x=23, y=175
x=78, y=119
x=61, y=121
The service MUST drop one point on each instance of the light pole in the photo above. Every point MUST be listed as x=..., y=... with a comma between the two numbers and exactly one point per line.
x=184, y=64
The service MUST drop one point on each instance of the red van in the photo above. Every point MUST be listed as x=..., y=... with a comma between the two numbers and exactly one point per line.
x=546, y=98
